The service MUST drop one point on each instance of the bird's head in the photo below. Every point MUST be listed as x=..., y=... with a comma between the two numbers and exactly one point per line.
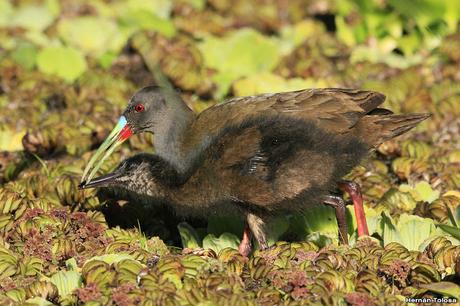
x=148, y=111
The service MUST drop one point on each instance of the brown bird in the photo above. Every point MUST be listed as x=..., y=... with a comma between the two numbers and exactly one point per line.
x=263, y=154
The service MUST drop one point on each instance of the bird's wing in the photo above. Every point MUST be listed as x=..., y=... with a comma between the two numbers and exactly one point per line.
x=333, y=109
x=238, y=160
x=239, y=151
x=267, y=160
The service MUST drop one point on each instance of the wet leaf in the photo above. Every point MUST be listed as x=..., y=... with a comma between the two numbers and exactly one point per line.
x=444, y=288
x=65, y=62
x=11, y=141
x=66, y=282
x=426, y=192
x=452, y=230
x=276, y=228
x=421, y=192
x=230, y=224
x=91, y=35
x=198, y=4
x=241, y=53
x=319, y=219
x=410, y=231
x=25, y=54
x=226, y=240
x=161, y=8
x=395, y=199
x=146, y=20
x=32, y=17
x=39, y=301
x=189, y=236
x=292, y=36
x=269, y=83
x=6, y=10
x=111, y=258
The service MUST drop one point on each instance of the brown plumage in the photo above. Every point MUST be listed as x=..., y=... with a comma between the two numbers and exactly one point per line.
x=254, y=156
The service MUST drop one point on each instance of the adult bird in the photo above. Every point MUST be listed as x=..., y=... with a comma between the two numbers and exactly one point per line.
x=181, y=137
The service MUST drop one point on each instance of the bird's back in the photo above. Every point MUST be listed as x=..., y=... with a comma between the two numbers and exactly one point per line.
x=336, y=110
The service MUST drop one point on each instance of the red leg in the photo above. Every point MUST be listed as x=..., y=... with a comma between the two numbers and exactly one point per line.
x=355, y=193
x=245, y=244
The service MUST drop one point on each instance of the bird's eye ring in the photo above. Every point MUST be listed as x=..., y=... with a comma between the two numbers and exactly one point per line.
x=139, y=108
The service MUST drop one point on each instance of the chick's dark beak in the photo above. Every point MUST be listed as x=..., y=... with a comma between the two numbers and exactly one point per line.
x=101, y=181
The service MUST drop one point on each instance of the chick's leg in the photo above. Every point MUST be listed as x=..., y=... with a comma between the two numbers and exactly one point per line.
x=257, y=226
x=339, y=206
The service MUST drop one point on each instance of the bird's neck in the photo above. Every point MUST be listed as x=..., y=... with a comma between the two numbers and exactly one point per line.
x=169, y=135
x=163, y=183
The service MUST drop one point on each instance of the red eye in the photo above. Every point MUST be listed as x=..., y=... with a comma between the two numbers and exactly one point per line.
x=139, y=108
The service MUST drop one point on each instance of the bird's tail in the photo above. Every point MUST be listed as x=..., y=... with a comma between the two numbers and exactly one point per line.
x=379, y=128
x=395, y=125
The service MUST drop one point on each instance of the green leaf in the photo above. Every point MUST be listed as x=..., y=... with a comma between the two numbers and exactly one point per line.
x=53, y=6
x=318, y=219
x=268, y=82
x=294, y=35
x=188, y=236
x=444, y=288
x=64, y=62
x=66, y=282
x=241, y=53
x=112, y=258
x=71, y=264
x=38, y=301
x=146, y=20
x=106, y=59
x=397, y=199
x=422, y=191
x=25, y=54
x=92, y=35
x=32, y=17
x=226, y=240
x=453, y=218
x=6, y=11
x=425, y=192
x=11, y=141
x=452, y=15
x=375, y=55
x=426, y=9
x=344, y=31
x=451, y=230
x=320, y=239
x=17, y=294
x=197, y=4
x=410, y=230
x=161, y=8
x=276, y=227
x=220, y=225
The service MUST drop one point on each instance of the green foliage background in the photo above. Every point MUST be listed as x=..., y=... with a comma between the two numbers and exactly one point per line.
x=67, y=69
